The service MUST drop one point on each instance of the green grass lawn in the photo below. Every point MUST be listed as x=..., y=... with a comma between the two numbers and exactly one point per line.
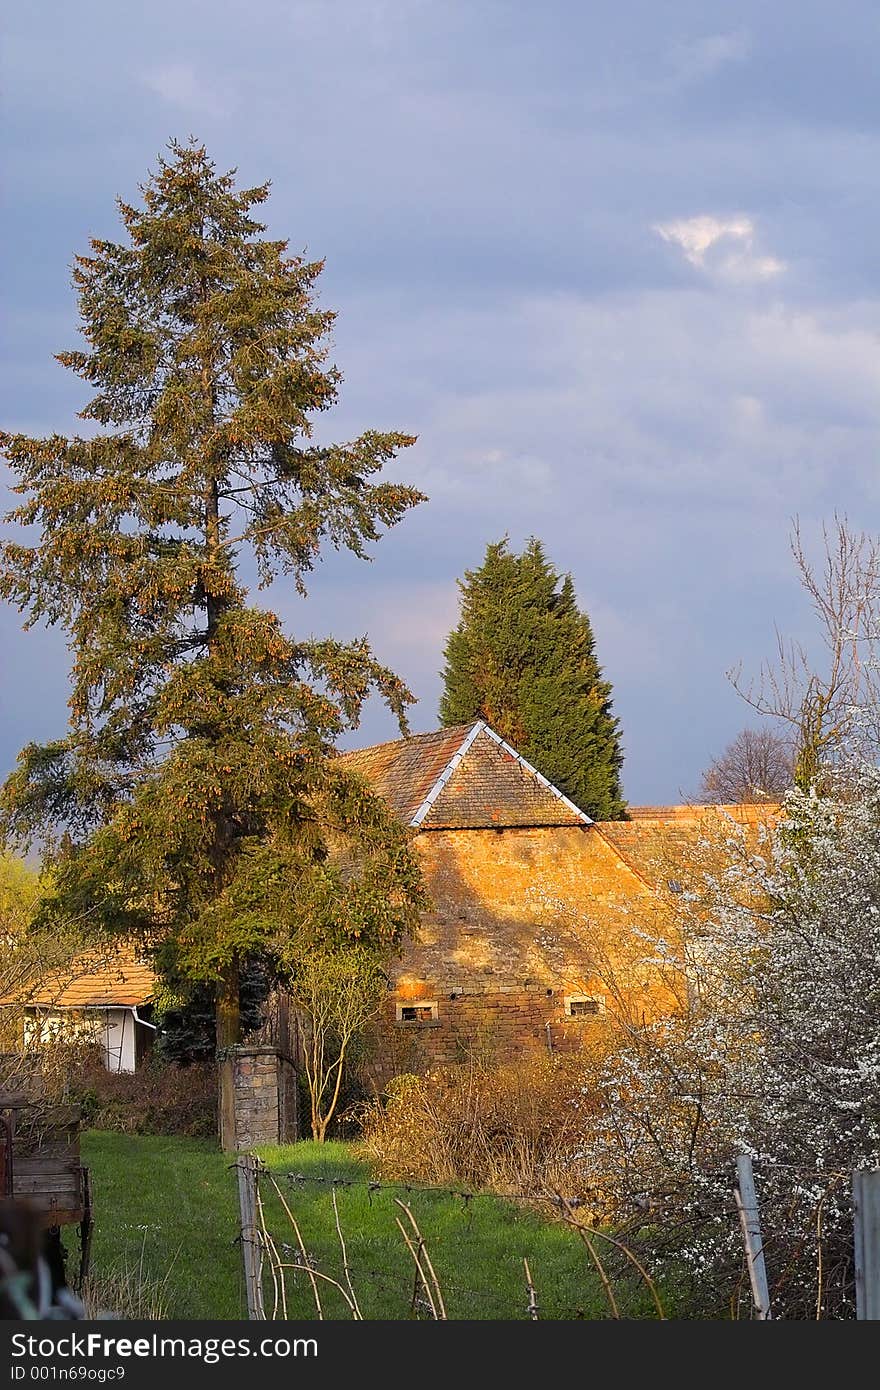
x=170, y=1208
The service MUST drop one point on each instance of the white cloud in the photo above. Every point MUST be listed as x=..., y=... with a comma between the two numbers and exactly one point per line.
x=491, y=471
x=180, y=85
x=694, y=59
x=723, y=247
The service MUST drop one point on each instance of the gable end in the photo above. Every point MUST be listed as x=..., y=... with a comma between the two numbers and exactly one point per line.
x=487, y=784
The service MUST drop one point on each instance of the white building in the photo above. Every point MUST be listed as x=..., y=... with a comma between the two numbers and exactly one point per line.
x=106, y=999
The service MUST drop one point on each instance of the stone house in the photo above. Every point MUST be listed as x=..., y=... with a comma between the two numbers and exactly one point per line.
x=534, y=932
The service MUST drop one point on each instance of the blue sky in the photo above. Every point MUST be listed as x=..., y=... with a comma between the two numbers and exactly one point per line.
x=615, y=264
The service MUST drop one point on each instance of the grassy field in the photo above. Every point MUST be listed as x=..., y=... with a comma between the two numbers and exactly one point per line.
x=169, y=1208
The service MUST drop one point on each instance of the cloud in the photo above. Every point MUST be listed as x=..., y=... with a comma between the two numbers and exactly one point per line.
x=180, y=85
x=671, y=399
x=723, y=247
x=696, y=59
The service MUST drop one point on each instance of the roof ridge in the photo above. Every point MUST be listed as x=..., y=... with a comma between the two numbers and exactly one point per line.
x=445, y=731
x=539, y=776
x=413, y=773
x=693, y=809
x=447, y=772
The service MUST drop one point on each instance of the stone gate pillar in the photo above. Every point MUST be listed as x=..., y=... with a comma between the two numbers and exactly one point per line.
x=266, y=1108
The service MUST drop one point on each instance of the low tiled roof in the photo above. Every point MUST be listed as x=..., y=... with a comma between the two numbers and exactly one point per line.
x=120, y=980
x=463, y=778
x=694, y=813
x=658, y=840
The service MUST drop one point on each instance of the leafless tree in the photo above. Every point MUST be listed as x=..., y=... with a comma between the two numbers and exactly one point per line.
x=757, y=766
x=336, y=992
x=37, y=959
x=831, y=702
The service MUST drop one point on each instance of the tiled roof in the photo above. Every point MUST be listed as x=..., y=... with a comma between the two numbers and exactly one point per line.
x=403, y=772
x=117, y=980
x=745, y=813
x=464, y=778
x=659, y=840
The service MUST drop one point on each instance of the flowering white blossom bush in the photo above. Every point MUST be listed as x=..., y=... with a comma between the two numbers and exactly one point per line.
x=775, y=1053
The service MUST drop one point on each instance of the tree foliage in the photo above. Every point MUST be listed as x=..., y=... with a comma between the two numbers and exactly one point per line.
x=19, y=892
x=21, y=953
x=185, y=1012
x=197, y=791
x=523, y=658
x=337, y=994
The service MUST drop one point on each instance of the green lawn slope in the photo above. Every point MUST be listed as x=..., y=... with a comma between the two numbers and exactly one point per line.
x=166, y=1210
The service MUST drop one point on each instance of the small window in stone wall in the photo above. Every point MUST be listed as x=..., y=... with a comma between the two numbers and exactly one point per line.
x=420, y=1011
x=584, y=1005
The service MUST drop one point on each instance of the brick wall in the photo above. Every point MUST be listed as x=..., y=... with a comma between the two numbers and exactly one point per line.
x=520, y=919
x=495, y=1024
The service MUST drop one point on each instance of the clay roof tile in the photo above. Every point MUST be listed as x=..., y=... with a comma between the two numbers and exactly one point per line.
x=462, y=778
x=115, y=980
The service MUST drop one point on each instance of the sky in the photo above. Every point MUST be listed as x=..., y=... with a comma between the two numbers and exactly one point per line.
x=616, y=265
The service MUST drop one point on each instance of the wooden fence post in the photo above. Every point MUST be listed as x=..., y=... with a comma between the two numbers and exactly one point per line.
x=250, y=1237
x=85, y=1228
x=750, y=1221
x=866, y=1231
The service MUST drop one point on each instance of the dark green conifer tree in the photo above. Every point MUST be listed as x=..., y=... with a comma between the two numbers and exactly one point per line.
x=197, y=790
x=523, y=658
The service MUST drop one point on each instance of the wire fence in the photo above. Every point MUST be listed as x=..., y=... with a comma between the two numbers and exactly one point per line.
x=789, y=1261
x=427, y=1262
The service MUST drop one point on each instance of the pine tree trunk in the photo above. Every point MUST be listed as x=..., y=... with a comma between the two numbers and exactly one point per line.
x=227, y=1008
x=228, y=1033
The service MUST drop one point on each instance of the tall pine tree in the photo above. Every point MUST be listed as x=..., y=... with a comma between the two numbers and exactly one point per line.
x=523, y=658
x=197, y=792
